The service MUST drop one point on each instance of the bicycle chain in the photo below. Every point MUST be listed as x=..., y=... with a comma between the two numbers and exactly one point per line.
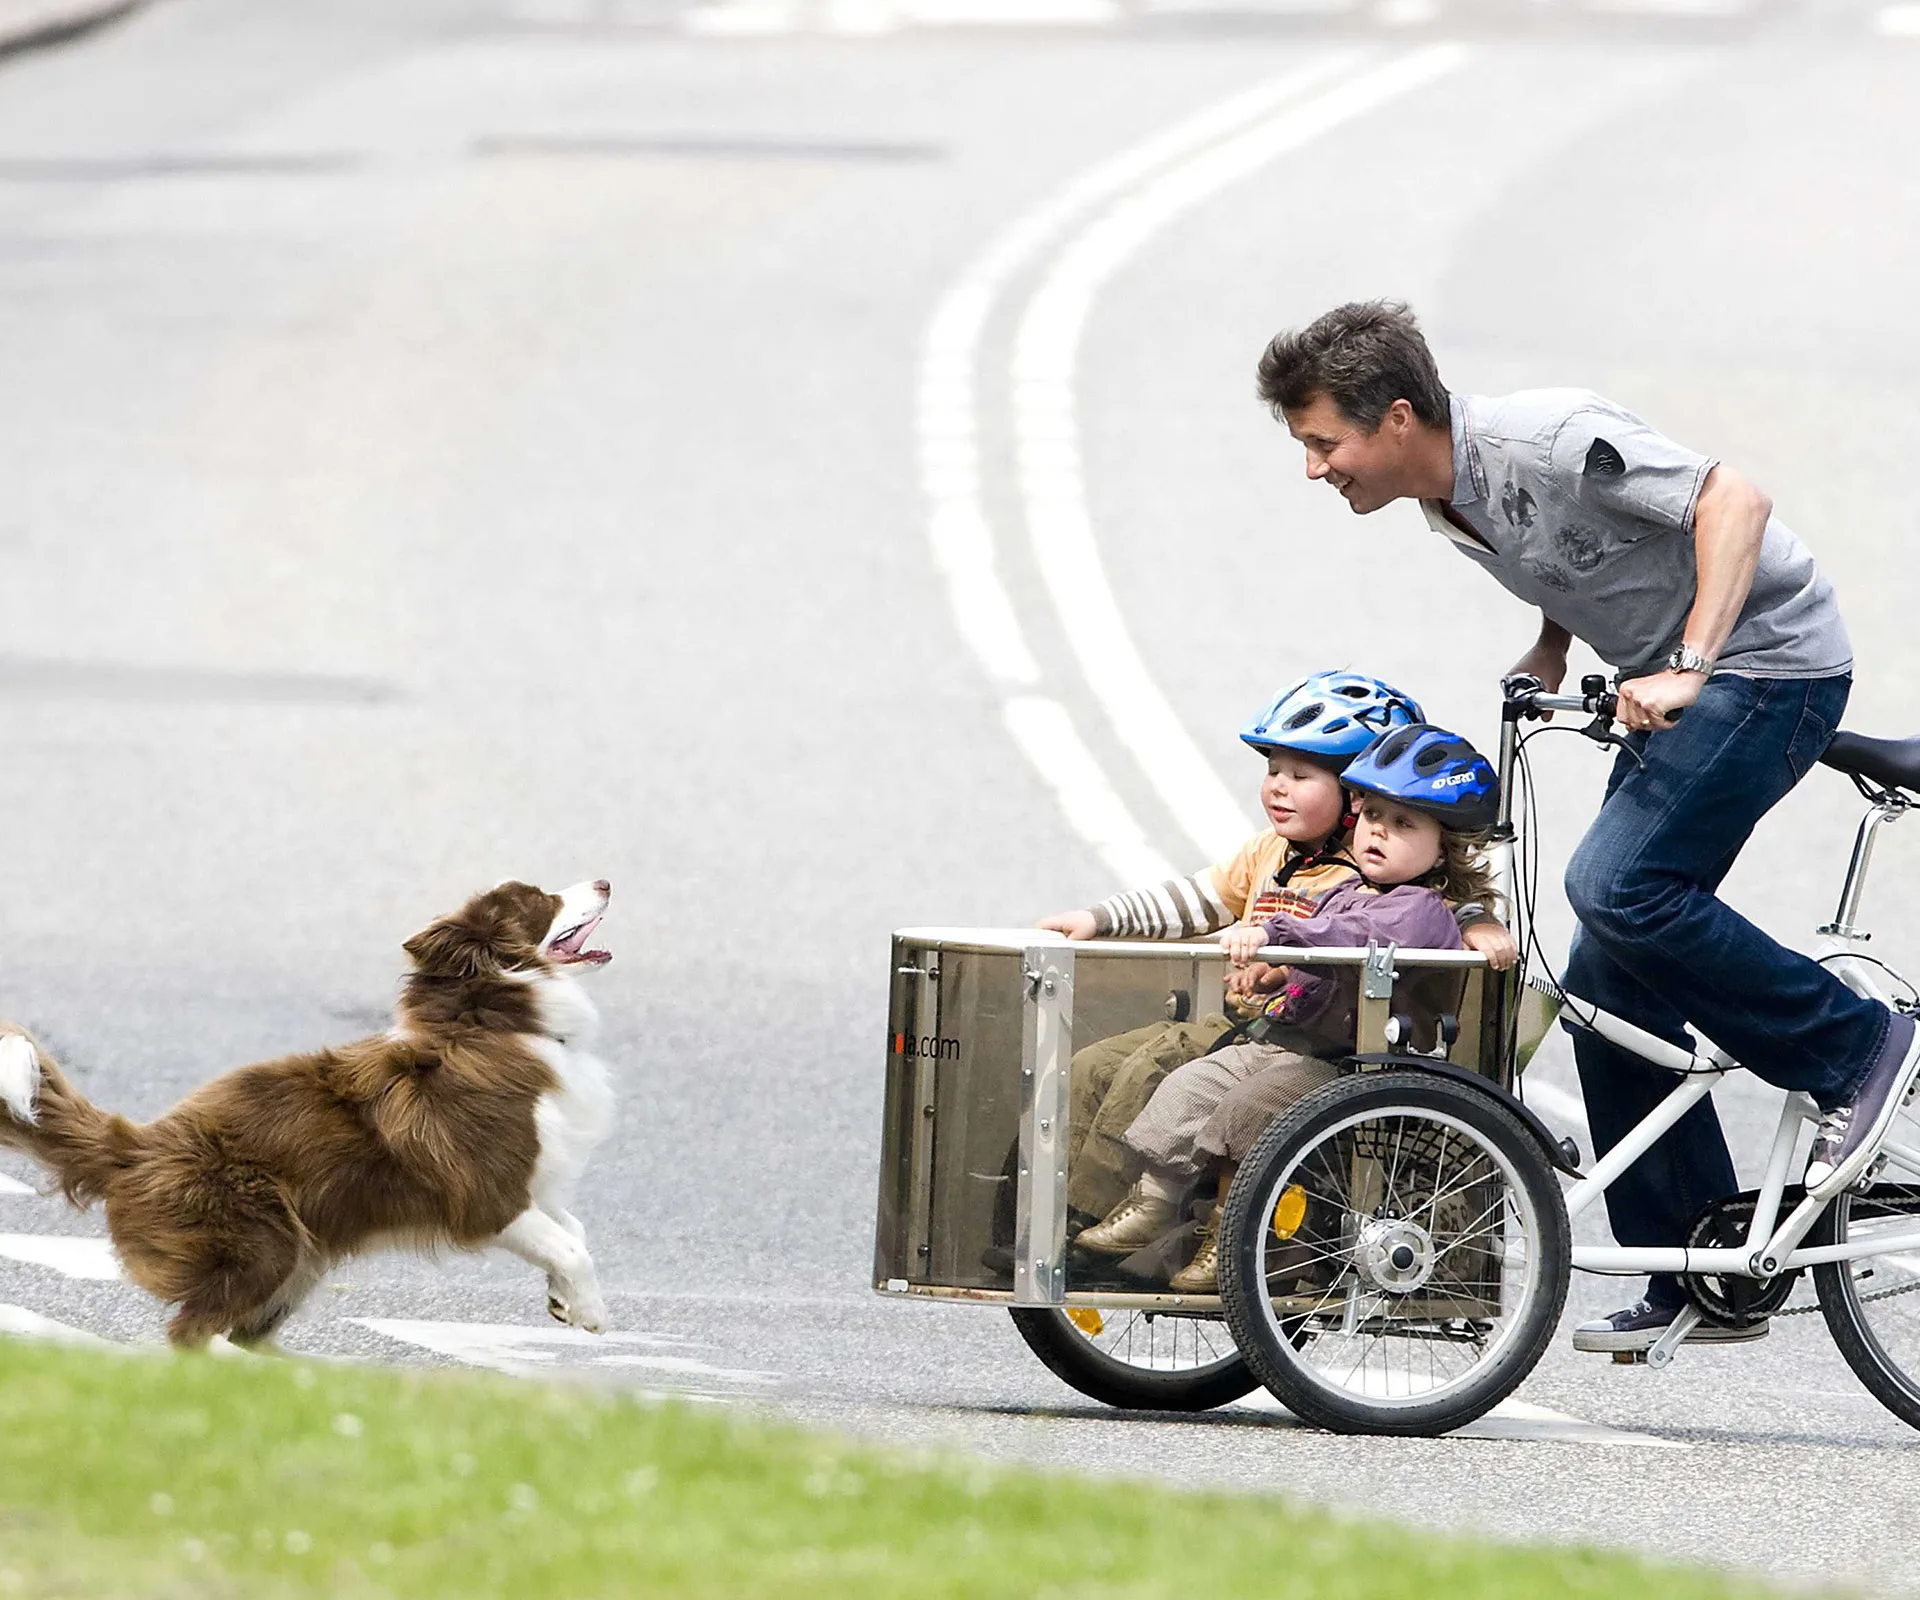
x=1740, y=1206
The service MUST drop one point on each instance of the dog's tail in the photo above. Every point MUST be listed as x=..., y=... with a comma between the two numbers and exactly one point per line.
x=44, y=1115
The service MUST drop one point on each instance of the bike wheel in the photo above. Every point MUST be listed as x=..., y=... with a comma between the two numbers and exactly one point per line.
x=1395, y=1254
x=1137, y=1360
x=1872, y=1304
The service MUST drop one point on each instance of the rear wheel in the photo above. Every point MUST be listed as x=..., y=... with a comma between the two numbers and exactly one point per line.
x=1395, y=1254
x=1138, y=1360
x=1872, y=1305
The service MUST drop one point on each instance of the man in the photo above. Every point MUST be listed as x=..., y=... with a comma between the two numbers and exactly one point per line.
x=1673, y=568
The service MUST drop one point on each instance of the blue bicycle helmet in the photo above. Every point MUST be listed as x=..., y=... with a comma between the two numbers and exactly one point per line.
x=1434, y=771
x=1331, y=716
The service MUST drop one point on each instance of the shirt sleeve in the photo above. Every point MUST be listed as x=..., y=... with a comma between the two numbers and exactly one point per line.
x=1180, y=908
x=1617, y=463
x=1414, y=917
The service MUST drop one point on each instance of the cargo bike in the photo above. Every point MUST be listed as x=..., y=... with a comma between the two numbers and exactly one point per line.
x=1396, y=1249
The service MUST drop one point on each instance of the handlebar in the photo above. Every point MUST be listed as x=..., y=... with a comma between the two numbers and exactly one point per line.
x=1526, y=697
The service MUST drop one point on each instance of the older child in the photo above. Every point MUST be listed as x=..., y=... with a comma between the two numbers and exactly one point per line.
x=1308, y=735
x=1426, y=797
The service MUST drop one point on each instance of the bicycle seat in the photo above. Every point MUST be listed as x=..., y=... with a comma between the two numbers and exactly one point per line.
x=1891, y=763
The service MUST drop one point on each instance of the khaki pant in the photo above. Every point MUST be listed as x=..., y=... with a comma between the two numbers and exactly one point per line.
x=1218, y=1105
x=1111, y=1083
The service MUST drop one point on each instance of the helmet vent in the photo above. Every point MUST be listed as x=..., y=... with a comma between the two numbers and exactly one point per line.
x=1432, y=758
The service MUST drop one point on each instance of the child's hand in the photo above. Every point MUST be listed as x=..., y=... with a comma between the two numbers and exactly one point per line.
x=1074, y=924
x=1257, y=978
x=1492, y=940
x=1241, y=941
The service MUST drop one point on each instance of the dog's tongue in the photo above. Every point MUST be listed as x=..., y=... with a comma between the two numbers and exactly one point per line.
x=568, y=948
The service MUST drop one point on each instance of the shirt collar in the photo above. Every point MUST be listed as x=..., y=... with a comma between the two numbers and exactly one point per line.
x=1469, y=477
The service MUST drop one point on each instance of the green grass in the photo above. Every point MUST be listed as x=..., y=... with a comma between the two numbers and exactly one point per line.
x=160, y=1476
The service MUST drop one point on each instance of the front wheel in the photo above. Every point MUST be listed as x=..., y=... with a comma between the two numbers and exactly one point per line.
x=1395, y=1254
x=1872, y=1304
x=1137, y=1360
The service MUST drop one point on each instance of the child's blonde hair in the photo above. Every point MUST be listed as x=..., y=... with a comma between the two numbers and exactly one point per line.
x=1462, y=875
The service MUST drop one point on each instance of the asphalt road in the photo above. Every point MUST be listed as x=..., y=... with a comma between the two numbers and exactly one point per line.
x=444, y=441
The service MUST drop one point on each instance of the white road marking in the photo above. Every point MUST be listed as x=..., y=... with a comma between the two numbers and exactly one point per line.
x=526, y=1351
x=1047, y=433
x=25, y=1324
x=1519, y=1420
x=1900, y=22
x=1047, y=737
x=91, y=1259
x=959, y=532
x=13, y=1186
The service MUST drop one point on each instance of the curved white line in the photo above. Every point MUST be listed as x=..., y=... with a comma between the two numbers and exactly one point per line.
x=1058, y=523
x=959, y=531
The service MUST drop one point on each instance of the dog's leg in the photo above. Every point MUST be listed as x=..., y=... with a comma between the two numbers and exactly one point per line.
x=256, y=1332
x=567, y=1220
x=573, y=1288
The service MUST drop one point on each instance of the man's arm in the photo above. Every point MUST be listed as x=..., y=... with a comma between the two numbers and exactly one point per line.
x=1729, y=523
x=1547, y=660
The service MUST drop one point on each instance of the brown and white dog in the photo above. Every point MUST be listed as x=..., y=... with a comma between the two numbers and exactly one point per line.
x=466, y=1125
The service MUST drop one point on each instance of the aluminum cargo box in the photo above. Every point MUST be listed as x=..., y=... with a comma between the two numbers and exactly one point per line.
x=982, y=1028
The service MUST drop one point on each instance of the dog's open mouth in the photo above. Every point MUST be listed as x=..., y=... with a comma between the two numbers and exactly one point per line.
x=569, y=949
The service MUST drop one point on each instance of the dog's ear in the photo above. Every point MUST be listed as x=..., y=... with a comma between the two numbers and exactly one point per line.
x=451, y=948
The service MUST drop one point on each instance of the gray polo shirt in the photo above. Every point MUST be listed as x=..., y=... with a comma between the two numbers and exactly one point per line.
x=1584, y=511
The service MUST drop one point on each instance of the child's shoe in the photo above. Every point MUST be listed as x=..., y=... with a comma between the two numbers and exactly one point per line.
x=1201, y=1275
x=1139, y=1219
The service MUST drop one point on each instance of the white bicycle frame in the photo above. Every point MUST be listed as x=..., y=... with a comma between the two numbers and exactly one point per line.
x=1772, y=1246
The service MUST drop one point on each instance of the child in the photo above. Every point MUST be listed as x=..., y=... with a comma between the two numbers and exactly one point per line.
x=1426, y=799
x=1308, y=735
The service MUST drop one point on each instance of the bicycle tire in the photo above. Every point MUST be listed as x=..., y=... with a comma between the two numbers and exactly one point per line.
x=1282, y=1347
x=1844, y=1297
x=1072, y=1356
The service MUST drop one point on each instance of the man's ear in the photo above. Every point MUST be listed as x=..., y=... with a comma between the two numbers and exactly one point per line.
x=1400, y=415
x=451, y=948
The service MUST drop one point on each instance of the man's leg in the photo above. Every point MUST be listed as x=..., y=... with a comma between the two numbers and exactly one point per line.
x=1642, y=880
x=1655, y=1199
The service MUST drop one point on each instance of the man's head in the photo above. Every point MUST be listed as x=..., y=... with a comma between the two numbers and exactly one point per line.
x=1359, y=389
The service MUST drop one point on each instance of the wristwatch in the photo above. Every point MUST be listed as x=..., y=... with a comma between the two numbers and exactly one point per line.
x=1688, y=659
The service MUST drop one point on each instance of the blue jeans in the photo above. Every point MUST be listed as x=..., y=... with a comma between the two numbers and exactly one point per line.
x=1655, y=946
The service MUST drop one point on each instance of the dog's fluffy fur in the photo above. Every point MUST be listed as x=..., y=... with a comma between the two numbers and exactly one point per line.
x=466, y=1125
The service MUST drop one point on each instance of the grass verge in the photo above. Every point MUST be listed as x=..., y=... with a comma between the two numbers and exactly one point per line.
x=159, y=1476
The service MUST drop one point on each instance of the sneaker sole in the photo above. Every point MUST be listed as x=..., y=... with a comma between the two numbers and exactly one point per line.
x=1844, y=1175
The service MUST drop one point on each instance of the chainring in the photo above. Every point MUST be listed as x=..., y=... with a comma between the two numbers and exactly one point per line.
x=1732, y=1301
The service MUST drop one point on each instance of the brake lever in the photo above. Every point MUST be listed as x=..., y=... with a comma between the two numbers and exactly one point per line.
x=1600, y=731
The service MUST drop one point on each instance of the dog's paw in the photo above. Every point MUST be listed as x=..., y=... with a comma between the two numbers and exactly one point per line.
x=590, y=1313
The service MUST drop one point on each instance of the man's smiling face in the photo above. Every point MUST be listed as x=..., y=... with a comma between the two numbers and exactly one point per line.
x=1368, y=468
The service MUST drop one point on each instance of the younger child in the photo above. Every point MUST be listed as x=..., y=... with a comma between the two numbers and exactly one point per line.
x=1426, y=798
x=1308, y=736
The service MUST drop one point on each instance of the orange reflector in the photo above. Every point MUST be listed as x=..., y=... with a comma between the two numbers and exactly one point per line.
x=1087, y=1320
x=1289, y=1211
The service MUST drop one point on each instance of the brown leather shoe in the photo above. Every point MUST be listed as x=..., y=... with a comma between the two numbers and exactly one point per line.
x=1135, y=1223
x=1201, y=1275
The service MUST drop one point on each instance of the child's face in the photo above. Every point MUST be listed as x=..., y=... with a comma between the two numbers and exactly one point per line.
x=1304, y=802
x=1393, y=843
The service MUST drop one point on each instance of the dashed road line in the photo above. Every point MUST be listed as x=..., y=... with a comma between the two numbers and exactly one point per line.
x=1899, y=22
x=85, y=1258
x=1047, y=431
x=959, y=531
x=530, y=1351
x=13, y=1186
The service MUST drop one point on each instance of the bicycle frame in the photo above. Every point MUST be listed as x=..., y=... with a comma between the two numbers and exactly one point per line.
x=1772, y=1245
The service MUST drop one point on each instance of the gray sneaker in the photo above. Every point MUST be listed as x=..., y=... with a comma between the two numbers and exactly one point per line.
x=1639, y=1327
x=1849, y=1136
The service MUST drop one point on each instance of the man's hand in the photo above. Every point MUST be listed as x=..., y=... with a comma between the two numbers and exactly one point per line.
x=1647, y=703
x=1256, y=978
x=1544, y=661
x=1491, y=939
x=1547, y=660
x=1074, y=924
